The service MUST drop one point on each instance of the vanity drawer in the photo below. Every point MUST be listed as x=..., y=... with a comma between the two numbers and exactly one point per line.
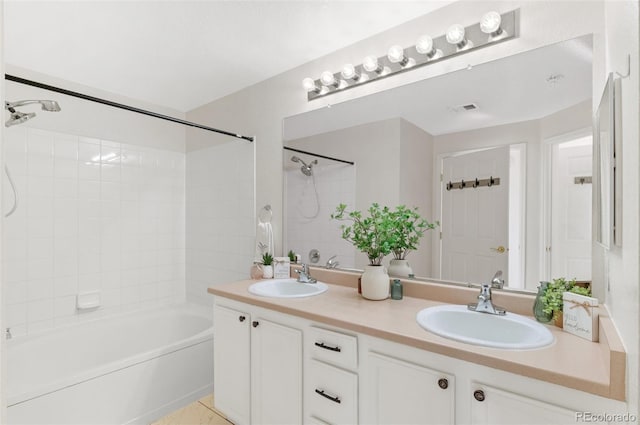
x=332, y=394
x=333, y=347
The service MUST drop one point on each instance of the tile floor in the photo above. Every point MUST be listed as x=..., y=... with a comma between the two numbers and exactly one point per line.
x=200, y=412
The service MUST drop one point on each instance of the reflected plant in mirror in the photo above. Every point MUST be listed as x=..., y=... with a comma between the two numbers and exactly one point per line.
x=408, y=228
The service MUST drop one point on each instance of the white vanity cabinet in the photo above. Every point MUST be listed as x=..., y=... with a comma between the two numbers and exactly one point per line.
x=493, y=406
x=401, y=392
x=257, y=367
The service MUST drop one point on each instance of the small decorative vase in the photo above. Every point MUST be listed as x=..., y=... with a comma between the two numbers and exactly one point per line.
x=538, y=305
x=400, y=268
x=267, y=271
x=256, y=271
x=559, y=320
x=375, y=283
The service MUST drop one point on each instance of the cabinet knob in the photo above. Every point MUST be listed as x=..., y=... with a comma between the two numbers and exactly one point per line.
x=255, y=323
x=478, y=395
x=241, y=318
x=443, y=383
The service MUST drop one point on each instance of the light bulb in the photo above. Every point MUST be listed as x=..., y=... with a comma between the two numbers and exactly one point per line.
x=396, y=55
x=349, y=72
x=370, y=64
x=327, y=79
x=424, y=45
x=455, y=34
x=490, y=22
x=309, y=84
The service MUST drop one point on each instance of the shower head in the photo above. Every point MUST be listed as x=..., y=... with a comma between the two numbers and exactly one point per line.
x=18, y=117
x=47, y=105
x=306, y=169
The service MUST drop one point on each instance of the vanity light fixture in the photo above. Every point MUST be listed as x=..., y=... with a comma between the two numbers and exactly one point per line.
x=310, y=85
x=425, y=46
x=328, y=79
x=492, y=28
x=456, y=36
x=370, y=64
x=490, y=24
x=349, y=72
x=396, y=55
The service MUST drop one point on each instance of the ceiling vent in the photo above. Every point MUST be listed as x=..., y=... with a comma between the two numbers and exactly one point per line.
x=464, y=108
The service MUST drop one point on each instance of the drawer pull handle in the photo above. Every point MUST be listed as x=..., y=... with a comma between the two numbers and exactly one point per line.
x=443, y=383
x=478, y=395
x=241, y=318
x=255, y=323
x=327, y=347
x=335, y=399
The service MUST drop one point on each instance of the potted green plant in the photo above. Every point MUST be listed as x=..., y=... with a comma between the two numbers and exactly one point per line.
x=408, y=228
x=267, y=265
x=292, y=256
x=552, y=297
x=371, y=235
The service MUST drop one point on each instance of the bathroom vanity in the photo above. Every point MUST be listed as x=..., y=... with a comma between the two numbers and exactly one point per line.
x=340, y=359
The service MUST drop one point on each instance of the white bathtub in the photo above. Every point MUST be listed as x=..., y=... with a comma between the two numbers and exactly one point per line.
x=132, y=368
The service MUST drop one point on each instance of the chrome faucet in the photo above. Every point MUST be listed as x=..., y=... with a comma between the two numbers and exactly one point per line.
x=484, y=304
x=303, y=274
x=332, y=263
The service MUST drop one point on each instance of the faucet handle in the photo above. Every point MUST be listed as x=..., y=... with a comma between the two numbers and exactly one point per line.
x=496, y=281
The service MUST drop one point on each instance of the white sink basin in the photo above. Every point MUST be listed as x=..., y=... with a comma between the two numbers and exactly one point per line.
x=286, y=288
x=511, y=331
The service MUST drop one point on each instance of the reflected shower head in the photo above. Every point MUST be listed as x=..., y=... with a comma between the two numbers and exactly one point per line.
x=18, y=117
x=306, y=169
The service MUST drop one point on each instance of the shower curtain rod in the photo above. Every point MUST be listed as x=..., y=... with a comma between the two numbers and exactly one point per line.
x=121, y=106
x=319, y=156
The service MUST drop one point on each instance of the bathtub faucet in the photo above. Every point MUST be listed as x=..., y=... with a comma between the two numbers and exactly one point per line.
x=7, y=334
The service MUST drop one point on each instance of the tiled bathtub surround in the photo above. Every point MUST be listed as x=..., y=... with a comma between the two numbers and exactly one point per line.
x=221, y=220
x=93, y=215
x=308, y=220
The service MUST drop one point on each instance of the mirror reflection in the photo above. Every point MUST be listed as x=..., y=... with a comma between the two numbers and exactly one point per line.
x=500, y=154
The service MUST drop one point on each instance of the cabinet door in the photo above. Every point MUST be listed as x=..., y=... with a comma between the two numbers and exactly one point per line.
x=406, y=393
x=494, y=407
x=231, y=363
x=276, y=379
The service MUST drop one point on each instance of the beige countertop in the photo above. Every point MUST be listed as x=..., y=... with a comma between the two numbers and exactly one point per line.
x=594, y=367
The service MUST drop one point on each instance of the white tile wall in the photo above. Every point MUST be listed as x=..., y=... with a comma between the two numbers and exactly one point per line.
x=93, y=215
x=220, y=217
x=335, y=185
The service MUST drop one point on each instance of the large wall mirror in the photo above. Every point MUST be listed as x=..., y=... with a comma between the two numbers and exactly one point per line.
x=524, y=121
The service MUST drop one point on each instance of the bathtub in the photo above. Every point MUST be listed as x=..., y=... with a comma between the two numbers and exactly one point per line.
x=128, y=369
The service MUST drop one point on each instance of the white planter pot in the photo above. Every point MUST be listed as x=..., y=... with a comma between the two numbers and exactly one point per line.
x=399, y=268
x=375, y=283
x=267, y=272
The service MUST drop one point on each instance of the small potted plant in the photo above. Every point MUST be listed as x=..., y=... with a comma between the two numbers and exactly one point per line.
x=409, y=227
x=552, y=297
x=267, y=265
x=371, y=235
x=292, y=256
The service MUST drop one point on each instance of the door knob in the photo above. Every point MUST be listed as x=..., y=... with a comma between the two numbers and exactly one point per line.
x=499, y=250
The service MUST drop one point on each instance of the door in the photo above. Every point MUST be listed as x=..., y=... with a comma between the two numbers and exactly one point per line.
x=491, y=406
x=406, y=393
x=231, y=363
x=475, y=221
x=276, y=381
x=571, y=191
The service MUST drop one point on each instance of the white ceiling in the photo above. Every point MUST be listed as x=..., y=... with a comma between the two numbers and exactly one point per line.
x=183, y=54
x=509, y=90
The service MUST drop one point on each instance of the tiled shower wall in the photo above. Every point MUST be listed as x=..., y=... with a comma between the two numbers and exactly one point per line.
x=92, y=215
x=221, y=221
x=308, y=219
